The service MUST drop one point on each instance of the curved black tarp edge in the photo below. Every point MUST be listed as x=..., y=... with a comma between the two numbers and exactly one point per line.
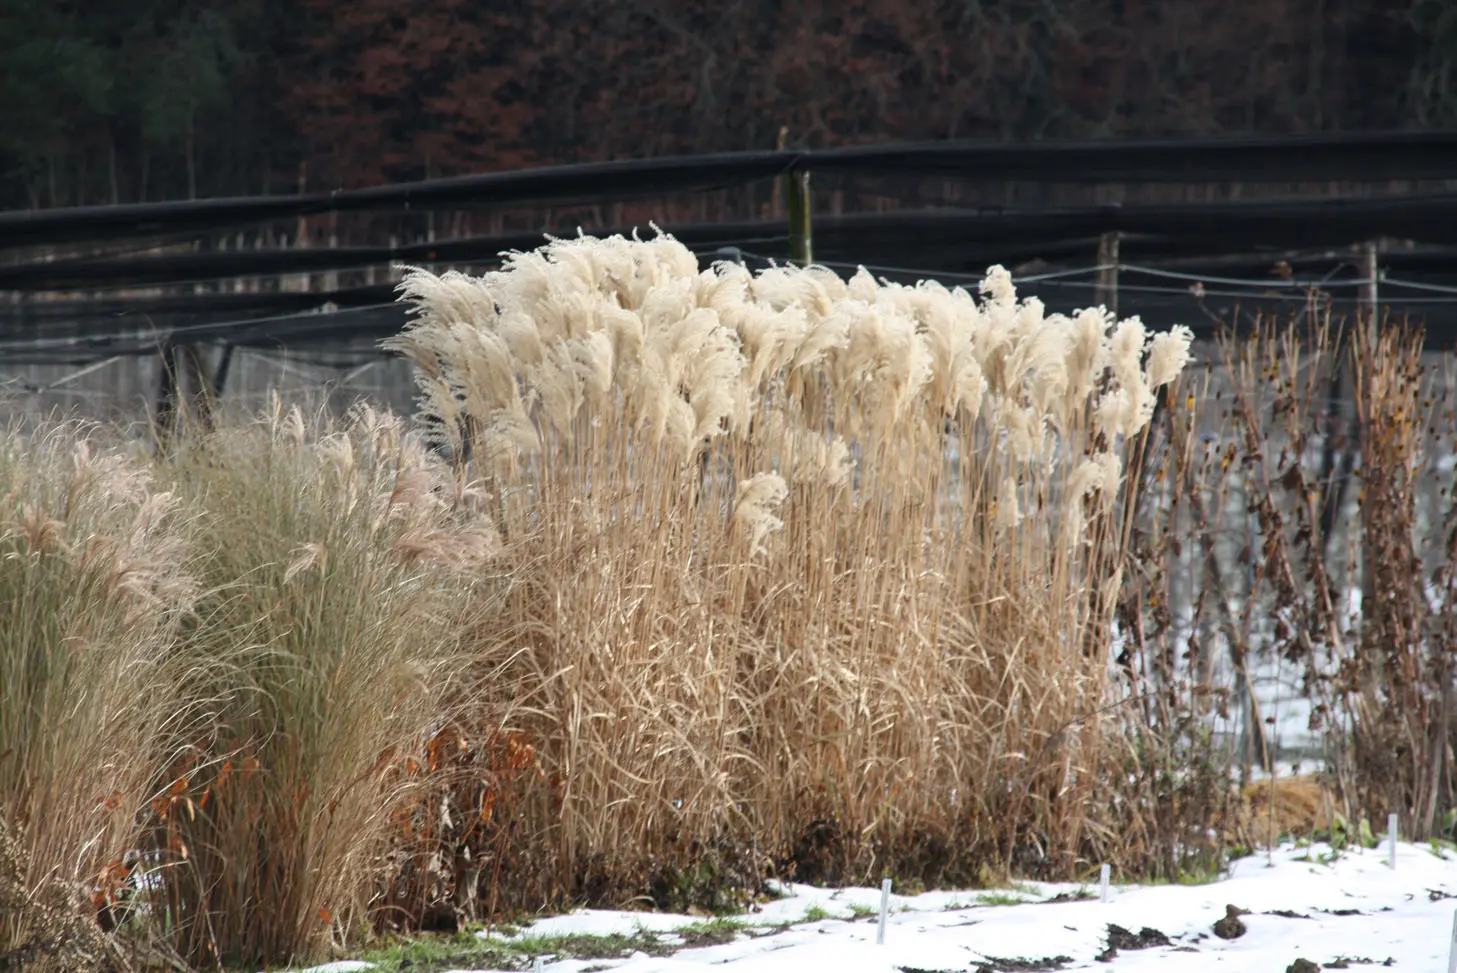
x=1356, y=157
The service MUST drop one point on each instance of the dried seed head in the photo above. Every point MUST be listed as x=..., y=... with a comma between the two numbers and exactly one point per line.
x=755, y=506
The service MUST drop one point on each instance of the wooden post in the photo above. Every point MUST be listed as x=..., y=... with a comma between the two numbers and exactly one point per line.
x=189, y=395
x=776, y=191
x=801, y=245
x=797, y=205
x=1371, y=270
x=1107, y=290
x=331, y=277
x=166, y=416
x=1452, y=948
x=238, y=284
x=201, y=392
x=302, y=233
x=30, y=332
x=225, y=365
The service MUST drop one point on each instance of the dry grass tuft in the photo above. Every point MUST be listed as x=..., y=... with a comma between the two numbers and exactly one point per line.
x=337, y=563
x=1302, y=806
x=820, y=570
x=94, y=582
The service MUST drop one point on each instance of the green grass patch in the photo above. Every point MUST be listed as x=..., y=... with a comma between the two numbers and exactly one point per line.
x=1000, y=898
x=443, y=952
x=711, y=932
x=817, y=913
x=1193, y=873
x=433, y=954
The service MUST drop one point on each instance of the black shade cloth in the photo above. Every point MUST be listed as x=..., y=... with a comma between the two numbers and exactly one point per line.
x=1363, y=157
x=943, y=239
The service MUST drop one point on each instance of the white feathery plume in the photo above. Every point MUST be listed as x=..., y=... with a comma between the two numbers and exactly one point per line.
x=559, y=385
x=594, y=358
x=862, y=286
x=822, y=337
x=1009, y=510
x=755, y=507
x=1088, y=350
x=998, y=286
x=1168, y=355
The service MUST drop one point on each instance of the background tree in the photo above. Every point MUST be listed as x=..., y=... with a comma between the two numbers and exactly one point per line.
x=166, y=98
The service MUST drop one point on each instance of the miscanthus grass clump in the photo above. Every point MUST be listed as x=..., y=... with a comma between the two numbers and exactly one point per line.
x=806, y=571
x=94, y=583
x=216, y=663
x=340, y=563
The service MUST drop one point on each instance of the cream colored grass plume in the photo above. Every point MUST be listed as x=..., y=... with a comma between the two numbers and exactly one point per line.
x=790, y=548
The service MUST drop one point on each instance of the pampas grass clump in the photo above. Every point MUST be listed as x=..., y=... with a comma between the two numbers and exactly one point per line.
x=94, y=582
x=340, y=559
x=819, y=568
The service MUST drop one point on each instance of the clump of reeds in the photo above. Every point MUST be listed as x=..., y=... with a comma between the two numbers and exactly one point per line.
x=336, y=562
x=1397, y=680
x=1303, y=533
x=94, y=580
x=823, y=569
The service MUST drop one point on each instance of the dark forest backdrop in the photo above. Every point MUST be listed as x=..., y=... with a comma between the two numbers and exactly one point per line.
x=167, y=99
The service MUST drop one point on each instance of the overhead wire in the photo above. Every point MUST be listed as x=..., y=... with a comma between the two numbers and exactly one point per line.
x=1187, y=291
x=181, y=331
x=1417, y=285
x=320, y=323
x=1060, y=277
x=1291, y=283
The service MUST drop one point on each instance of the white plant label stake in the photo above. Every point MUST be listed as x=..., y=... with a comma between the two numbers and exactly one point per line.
x=1104, y=874
x=1452, y=947
x=884, y=908
x=1391, y=838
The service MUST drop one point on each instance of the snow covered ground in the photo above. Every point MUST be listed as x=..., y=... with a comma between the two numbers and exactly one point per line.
x=1346, y=911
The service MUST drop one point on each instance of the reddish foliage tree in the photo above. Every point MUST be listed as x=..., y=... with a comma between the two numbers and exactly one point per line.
x=400, y=88
x=368, y=91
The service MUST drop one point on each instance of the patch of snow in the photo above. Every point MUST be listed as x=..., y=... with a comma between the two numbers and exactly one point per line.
x=1350, y=905
x=605, y=922
x=1335, y=906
